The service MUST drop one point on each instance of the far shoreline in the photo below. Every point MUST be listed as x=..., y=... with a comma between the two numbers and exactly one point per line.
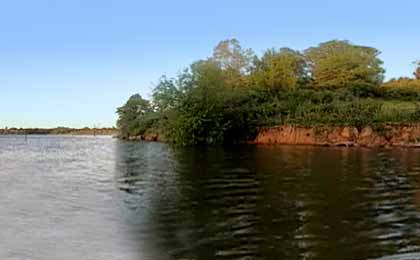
x=111, y=131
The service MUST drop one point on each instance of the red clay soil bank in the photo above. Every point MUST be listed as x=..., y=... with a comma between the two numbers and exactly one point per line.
x=390, y=135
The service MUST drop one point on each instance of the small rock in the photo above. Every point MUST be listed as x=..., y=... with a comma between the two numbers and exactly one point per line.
x=366, y=132
x=346, y=132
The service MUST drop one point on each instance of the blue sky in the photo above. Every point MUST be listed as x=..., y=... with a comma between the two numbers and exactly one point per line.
x=72, y=62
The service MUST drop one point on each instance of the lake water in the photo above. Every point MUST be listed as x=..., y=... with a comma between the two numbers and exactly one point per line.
x=100, y=198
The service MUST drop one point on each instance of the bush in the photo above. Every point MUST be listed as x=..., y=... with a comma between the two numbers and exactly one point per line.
x=356, y=113
x=224, y=116
x=402, y=89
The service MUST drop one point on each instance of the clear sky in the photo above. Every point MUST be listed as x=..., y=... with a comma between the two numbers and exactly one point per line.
x=73, y=62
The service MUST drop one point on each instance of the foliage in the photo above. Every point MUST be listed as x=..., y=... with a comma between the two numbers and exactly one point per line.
x=229, y=55
x=211, y=112
x=285, y=68
x=337, y=64
x=338, y=108
x=227, y=97
x=165, y=94
x=135, y=116
x=235, y=62
x=403, y=89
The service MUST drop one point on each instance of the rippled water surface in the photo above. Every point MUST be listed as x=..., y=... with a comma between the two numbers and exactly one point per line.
x=100, y=198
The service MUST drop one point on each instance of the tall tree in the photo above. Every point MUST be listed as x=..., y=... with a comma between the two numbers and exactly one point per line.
x=284, y=68
x=131, y=114
x=168, y=92
x=336, y=64
x=229, y=54
x=235, y=61
x=165, y=94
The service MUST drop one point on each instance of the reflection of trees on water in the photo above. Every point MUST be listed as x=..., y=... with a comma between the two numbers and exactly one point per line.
x=202, y=207
x=311, y=193
x=145, y=175
x=270, y=202
x=396, y=213
x=217, y=211
x=353, y=203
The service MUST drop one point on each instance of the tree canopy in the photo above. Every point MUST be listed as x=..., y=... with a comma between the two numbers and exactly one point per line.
x=229, y=55
x=284, y=68
x=132, y=114
x=235, y=62
x=336, y=64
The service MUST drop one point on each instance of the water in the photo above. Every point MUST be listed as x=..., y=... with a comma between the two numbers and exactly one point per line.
x=100, y=198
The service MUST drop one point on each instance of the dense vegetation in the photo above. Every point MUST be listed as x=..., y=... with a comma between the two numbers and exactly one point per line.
x=228, y=96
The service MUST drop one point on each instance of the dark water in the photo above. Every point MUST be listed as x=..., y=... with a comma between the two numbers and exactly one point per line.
x=99, y=198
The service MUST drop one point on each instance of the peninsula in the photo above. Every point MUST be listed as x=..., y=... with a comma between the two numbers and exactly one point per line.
x=335, y=89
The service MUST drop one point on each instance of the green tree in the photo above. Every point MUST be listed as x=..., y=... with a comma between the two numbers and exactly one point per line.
x=165, y=95
x=206, y=74
x=168, y=92
x=197, y=111
x=209, y=112
x=132, y=116
x=285, y=68
x=337, y=64
x=229, y=54
x=235, y=62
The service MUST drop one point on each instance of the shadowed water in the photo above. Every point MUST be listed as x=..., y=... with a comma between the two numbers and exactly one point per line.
x=100, y=198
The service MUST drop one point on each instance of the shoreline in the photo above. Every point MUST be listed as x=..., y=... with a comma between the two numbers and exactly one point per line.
x=111, y=135
x=345, y=136
x=389, y=135
x=59, y=131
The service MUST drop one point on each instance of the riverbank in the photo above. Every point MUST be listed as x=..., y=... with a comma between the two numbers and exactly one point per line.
x=370, y=136
x=227, y=99
x=59, y=131
x=378, y=136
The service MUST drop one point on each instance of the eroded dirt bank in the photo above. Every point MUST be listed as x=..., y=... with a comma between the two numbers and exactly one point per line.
x=389, y=135
x=369, y=136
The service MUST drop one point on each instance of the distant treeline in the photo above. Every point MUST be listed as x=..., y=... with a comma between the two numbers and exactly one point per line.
x=59, y=131
x=228, y=96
